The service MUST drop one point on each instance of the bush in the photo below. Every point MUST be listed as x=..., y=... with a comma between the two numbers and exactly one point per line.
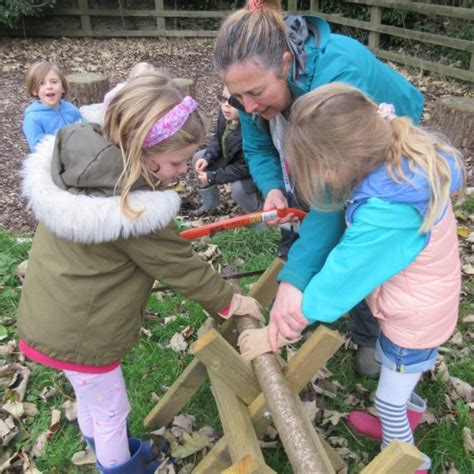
x=12, y=11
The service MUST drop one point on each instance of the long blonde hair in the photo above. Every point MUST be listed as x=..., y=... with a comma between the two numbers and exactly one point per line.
x=131, y=114
x=337, y=137
x=252, y=35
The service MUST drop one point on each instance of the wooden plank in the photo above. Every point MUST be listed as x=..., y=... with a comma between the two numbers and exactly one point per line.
x=141, y=13
x=86, y=24
x=216, y=460
x=185, y=386
x=375, y=22
x=441, y=69
x=266, y=286
x=424, y=8
x=238, y=430
x=292, y=6
x=397, y=458
x=314, y=5
x=248, y=465
x=177, y=395
x=159, y=8
x=226, y=363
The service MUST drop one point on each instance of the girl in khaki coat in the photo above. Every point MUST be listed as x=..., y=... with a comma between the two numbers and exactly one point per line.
x=106, y=232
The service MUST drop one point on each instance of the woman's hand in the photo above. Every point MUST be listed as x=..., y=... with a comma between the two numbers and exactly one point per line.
x=200, y=165
x=276, y=200
x=286, y=318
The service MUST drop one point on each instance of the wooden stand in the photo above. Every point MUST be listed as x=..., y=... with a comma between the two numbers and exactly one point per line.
x=249, y=398
x=87, y=88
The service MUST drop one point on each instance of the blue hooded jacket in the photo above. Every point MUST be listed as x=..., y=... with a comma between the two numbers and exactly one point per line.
x=382, y=239
x=41, y=120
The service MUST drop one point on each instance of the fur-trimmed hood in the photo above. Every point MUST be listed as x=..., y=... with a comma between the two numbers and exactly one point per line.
x=88, y=219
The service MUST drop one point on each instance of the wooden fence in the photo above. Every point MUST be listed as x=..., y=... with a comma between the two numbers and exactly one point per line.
x=88, y=24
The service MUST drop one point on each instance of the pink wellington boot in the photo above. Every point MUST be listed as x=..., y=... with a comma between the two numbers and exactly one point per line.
x=370, y=426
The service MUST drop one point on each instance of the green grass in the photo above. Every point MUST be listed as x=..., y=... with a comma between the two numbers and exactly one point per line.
x=152, y=367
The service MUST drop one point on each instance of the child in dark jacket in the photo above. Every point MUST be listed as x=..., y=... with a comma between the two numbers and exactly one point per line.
x=223, y=162
x=49, y=113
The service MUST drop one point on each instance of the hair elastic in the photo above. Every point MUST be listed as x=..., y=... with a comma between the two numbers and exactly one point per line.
x=255, y=6
x=170, y=123
x=386, y=111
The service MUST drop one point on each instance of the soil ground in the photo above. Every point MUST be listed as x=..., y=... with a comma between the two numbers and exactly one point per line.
x=191, y=58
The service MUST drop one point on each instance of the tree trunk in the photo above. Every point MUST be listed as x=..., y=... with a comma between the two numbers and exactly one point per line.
x=87, y=88
x=454, y=117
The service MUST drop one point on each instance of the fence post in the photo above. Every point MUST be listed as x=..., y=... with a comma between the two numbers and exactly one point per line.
x=375, y=20
x=314, y=5
x=86, y=24
x=292, y=5
x=160, y=21
x=471, y=66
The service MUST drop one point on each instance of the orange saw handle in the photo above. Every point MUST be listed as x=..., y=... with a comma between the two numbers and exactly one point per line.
x=240, y=221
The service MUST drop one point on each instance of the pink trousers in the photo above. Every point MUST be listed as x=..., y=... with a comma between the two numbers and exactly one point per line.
x=102, y=410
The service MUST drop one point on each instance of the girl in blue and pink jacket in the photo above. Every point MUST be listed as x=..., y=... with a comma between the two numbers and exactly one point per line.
x=398, y=250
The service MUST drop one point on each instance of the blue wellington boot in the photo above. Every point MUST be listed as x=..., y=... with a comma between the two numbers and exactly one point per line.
x=137, y=464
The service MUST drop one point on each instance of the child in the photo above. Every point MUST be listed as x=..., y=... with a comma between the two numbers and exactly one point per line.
x=138, y=70
x=394, y=181
x=106, y=231
x=223, y=162
x=49, y=113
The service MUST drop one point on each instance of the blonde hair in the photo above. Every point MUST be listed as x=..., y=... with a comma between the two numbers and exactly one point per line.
x=258, y=36
x=130, y=116
x=36, y=74
x=141, y=69
x=337, y=137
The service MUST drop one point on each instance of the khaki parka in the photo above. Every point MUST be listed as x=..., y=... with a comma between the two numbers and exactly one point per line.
x=91, y=269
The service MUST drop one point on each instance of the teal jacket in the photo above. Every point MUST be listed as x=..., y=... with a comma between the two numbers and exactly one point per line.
x=330, y=58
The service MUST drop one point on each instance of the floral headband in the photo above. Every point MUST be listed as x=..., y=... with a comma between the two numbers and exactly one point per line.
x=386, y=111
x=170, y=123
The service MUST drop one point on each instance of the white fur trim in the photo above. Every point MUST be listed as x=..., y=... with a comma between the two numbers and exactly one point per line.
x=89, y=219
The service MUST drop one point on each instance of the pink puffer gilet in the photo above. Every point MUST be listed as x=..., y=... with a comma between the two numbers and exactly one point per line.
x=418, y=307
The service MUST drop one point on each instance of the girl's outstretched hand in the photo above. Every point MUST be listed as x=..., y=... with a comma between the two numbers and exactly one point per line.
x=245, y=306
x=254, y=342
x=286, y=318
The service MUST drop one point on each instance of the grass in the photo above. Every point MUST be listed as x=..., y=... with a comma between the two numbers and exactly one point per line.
x=151, y=367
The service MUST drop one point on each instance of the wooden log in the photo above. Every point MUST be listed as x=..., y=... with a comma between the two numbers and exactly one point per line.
x=87, y=88
x=306, y=363
x=454, y=117
x=297, y=435
x=397, y=458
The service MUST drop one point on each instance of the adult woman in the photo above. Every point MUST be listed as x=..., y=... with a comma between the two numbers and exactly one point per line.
x=266, y=62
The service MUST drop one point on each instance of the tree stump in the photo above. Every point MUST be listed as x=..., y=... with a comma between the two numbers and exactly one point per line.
x=454, y=117
x=87, y=88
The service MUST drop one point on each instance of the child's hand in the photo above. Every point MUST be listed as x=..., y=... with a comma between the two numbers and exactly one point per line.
x=200, y=165
x=202, y=178
x=254, y=342
x=276, y=200
x=286, y=318
x=244, y=306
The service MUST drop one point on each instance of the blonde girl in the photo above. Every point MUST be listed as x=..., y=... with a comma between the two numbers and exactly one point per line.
x=106, y=231
x=49, y=112
x=399, y=249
